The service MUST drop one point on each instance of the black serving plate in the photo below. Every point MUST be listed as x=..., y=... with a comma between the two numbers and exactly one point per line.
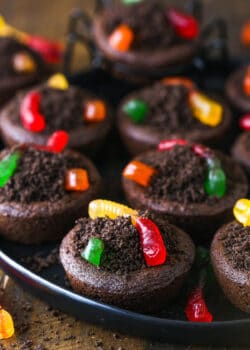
x=230, y=326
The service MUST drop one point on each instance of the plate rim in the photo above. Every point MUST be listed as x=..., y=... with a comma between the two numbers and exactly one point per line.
x=10, y=265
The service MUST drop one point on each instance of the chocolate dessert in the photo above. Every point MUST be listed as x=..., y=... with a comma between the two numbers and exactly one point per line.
x=20, y=67
x=230, y=254
x=241, y=150
x=190, y=185
x=37, y=203
x=167, y=113
x=123, y=276
x=141, y=40
x=238, y=90
x=85, y=118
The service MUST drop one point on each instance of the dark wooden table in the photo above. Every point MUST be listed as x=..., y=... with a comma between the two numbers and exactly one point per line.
x=39, y=327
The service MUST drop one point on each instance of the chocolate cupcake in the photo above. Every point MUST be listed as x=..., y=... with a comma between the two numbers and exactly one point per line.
x=238, y=89
x=168, y=109
x=42, y=192
x=230, y=255
x=241, y=150
x=141, y=40
x=32, y=116
x=20, y=67
x=190, y=185
x=241, y=147
x=109, y=259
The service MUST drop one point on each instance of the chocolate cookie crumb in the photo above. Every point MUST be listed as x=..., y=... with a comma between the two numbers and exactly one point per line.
x=236, y=243
x=39, y=262
x=123, y=252
x=40, y=347
x=180, y=176
x=39, y=177
x=63, y=109
x=158, y=33
x=121, y=240
x=169, y=108
x=27, y=344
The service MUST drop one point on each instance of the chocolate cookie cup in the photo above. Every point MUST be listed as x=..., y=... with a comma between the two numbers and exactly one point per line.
x=230, y=256
x=123, y=277
x=20, y=67
x=189, y=185
x=86, y=119
x=166, y=110
x=36, y=202
x=236, y=90
x=141, y=40
x=241, y=150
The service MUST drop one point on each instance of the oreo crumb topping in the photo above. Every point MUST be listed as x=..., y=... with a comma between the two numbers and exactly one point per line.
x=236, y=244
x=169, y=108
x=63, y=109
x=149, y=23
x=180, y=176
x=122, y=252
x=39, y=262
x=39, y=176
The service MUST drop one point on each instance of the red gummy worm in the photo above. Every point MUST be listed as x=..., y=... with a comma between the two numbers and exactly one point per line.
x=58, y=141
x=185, y=25
x=30, y=115
x=154, y=250
x=245, y=122
x=196, y=309
x=51, y=51
x=166, y=145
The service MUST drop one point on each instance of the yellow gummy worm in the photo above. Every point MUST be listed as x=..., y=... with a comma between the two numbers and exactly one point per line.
x=58, y=81
x=207, y=111
x=241, y=211
x=7, y=30
x=101, y=208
